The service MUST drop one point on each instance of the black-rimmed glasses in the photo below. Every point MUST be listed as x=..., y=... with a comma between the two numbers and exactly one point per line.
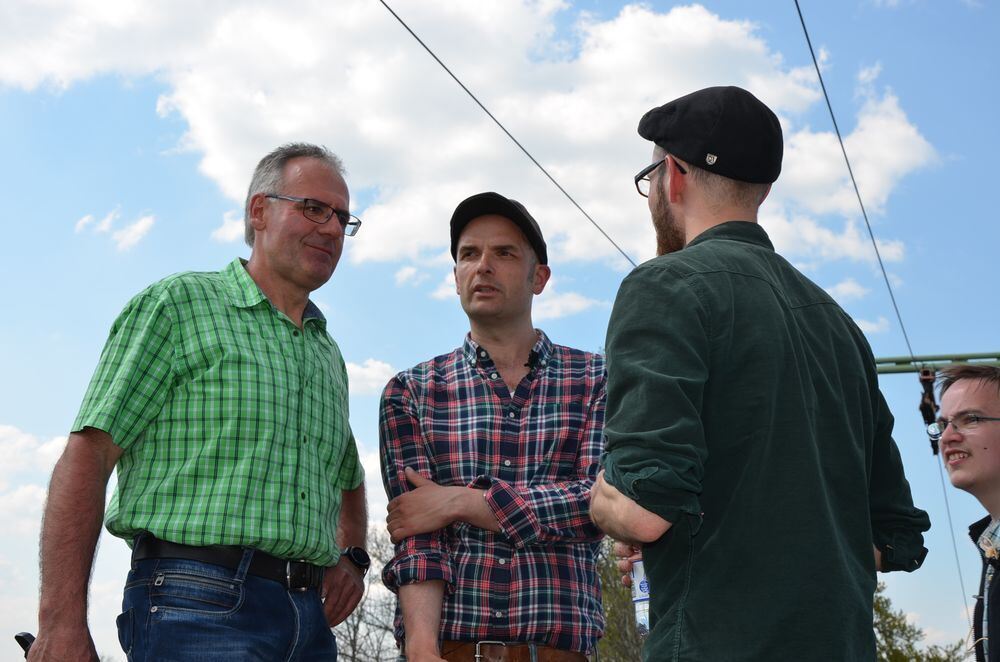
x=320, y=212
x=642, y=179
x=962, y=424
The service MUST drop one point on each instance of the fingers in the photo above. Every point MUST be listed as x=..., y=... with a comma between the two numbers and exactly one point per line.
x=343, y=593
x=414, y=478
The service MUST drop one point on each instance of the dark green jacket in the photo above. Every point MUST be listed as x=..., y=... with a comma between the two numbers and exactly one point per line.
x=743, y=406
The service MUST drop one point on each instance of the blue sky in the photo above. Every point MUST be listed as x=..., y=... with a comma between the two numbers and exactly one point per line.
x=132, y=129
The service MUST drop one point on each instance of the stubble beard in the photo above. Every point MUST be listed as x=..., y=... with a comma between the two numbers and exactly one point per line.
x=669, y=234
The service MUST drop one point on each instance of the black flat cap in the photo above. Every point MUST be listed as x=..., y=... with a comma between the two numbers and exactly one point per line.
x=725, y=130
x=483, y=204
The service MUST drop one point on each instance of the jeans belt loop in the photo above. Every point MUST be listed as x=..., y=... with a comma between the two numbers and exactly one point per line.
x=479, y=655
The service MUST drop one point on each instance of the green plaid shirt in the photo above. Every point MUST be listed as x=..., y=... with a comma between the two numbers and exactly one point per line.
x=233, y=420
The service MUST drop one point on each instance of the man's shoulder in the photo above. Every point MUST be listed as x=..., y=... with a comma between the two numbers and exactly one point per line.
x=443, y=366
x=189, y=283
x=578, y=358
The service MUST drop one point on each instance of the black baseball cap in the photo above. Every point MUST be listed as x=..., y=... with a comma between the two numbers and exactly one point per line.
x=725, y=130
x=483, y=204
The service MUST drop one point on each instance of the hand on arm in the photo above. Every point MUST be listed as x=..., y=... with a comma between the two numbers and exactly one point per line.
x=70, y=529
x=420, y=604
x=344, y=584
x=429, y=507
x=621, y=518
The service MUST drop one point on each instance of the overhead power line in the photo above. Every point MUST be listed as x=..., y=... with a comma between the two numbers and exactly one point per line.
x=850, y=171
x=509, y=134
x=913, y=361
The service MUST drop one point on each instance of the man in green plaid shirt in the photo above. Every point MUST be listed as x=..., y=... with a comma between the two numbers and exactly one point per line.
x=222, y=401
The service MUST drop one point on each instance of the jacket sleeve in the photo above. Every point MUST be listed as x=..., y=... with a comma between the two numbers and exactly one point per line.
x=897, y=525
x=658, y=365
x=422, y=557
x=557, y=511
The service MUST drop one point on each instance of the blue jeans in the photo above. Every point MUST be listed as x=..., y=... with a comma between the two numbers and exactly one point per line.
x=178, y=610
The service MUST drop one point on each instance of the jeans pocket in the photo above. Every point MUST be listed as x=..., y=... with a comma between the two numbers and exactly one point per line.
x=125, y=623
x=193, y=592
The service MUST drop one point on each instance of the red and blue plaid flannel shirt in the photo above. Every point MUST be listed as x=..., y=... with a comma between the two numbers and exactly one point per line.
x=536, y=454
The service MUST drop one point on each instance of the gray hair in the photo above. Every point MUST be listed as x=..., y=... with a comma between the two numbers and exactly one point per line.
x=268, y=176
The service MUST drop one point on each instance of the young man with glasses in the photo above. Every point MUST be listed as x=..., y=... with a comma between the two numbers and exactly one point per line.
x=488, y=456
x=969, y=436
x=749, y=450
x=222, y=401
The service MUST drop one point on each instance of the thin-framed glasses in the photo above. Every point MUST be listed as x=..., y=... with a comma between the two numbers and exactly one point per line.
x=642, y=178
x=962, y=424
x=320, y=212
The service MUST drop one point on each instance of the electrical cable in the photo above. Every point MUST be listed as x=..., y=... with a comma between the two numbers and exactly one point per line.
x=857, y=192
x=509, y=135
x=888, y=286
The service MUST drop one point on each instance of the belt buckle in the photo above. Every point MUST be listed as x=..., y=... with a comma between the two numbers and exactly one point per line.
x=288, y=576
x=487, y=642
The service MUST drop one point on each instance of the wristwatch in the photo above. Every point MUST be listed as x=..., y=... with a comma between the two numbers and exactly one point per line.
x=358, y=557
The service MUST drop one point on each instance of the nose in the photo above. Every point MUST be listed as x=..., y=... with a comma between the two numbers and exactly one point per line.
x=485, y=265
x=331, y=228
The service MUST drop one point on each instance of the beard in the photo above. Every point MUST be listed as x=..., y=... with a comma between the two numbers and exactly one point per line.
x=669, y=235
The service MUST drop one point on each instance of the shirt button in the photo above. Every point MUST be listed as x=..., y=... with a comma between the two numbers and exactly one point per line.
x=482, y=353
x=498, y=613
x=511, y=415
x=303, y=495
x=295, y=333
x=506, y=463
x=493, y=375
x=502, y=561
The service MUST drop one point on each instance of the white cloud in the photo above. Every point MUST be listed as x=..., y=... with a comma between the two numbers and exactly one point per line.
x=446, y=290
x=554, y=304
x=132, y=234
x=83, y=223
x=410, y=275
x=370, y=377
x=881, y=325
x=232, y=228
x=24, y=452
x=411, y=135
x=104, y=225
x=847, y=290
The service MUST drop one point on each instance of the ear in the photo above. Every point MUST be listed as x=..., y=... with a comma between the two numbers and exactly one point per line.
x=541, y=277
x=764, y=197
x=676, y=182
x=257, y=203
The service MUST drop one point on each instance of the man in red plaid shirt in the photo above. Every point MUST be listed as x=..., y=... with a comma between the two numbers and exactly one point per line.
x=488, y=454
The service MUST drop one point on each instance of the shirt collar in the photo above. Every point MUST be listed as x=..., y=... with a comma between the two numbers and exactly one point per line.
x=243, y=292
x=745, y=231
x=989, y=541
x=542, y=351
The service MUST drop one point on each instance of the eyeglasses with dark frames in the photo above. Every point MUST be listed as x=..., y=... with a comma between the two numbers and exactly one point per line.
x=642, y=182
x=320, y=212
x=962, y=424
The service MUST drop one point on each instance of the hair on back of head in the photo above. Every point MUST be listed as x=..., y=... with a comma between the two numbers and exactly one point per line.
x=269, y=173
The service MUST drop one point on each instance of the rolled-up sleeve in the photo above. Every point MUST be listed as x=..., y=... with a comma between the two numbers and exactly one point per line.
x=557, y=511
x=422, y=557
x=658, y=365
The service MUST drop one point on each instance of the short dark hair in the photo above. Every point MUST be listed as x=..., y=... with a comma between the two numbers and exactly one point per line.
x=987, y=373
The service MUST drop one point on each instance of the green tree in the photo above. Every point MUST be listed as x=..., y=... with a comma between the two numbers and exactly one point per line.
x=897, y=640
x=621, y=641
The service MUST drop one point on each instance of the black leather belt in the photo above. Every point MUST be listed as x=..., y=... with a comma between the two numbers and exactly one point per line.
x=294, y=575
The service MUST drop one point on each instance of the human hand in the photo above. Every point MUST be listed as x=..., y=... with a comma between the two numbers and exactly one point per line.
x=626, y=554
x=343, y=586
x=58, y=644
x=426, y=508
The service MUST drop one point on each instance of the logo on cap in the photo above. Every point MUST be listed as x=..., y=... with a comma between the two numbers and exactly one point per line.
x=710, y=159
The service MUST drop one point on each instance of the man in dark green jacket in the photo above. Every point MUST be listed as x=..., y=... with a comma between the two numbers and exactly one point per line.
x=749, y=450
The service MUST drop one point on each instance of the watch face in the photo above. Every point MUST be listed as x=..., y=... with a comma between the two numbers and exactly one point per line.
x=358, y=557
